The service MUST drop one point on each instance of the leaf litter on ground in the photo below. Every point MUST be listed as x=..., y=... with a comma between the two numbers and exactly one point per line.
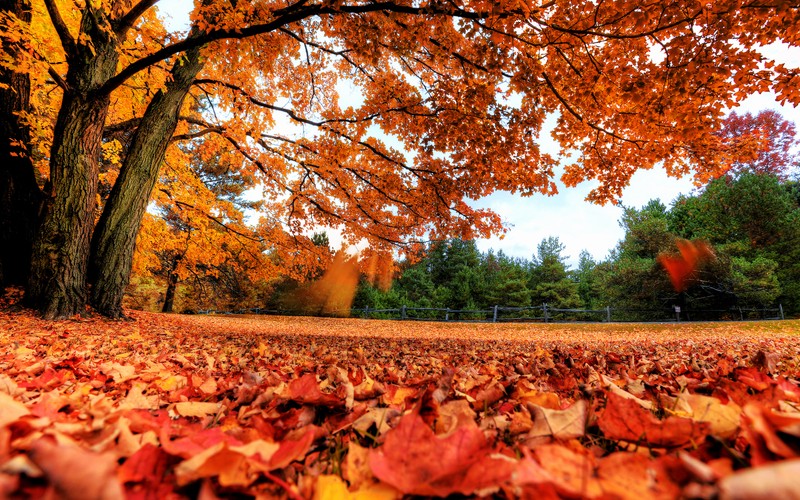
x=169, y=406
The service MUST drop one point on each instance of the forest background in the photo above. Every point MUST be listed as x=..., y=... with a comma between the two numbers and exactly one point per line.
x=750, y=217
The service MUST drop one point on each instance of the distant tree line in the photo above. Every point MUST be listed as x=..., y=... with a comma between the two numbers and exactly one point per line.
x=751, y=220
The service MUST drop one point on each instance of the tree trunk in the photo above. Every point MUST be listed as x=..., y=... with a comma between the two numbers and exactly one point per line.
x=114, y=239
x=57, y=285
x=20, y=196
x=169, y=296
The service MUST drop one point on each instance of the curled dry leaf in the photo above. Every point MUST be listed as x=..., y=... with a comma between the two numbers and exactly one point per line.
x=560, y=424
x=762, y=433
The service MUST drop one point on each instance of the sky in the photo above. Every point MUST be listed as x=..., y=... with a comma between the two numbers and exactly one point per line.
x=578, y=224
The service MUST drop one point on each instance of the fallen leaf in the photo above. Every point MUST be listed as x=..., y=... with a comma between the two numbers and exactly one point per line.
x=378, y=417
x=778, y=480
x=136, y=398
x=624, y=419
x=634, y=476
x=763, y=436
x=572, y=472
x=723, y=420
x=454, y=414
x=416, y=461
x=196, y=409
x=232, y=465
x=356, y=465
x=560, y=424
x=208, y=387
x=11, y=410
x=77, y=473
x=306, y=390
x=330, y=487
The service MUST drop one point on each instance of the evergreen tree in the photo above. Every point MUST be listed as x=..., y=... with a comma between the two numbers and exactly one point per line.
x=549, y=280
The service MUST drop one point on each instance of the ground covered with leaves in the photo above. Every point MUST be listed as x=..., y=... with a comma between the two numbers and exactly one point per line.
x=206, y=407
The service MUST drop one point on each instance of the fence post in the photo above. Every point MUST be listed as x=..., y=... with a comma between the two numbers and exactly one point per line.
x=403, y=312
x=780, y=308
x=366, y=312
x=494, y=316
x=544, y=308
x=608, y=314
x=447, y=314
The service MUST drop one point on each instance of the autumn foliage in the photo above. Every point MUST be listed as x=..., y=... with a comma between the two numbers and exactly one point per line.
x=187, y=407
x=384, y=120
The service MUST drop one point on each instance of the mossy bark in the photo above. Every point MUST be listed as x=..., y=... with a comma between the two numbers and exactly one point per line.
x=114, y=238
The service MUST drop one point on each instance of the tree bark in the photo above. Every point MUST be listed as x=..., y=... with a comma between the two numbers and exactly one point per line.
x=20, y=196
x=114, y=239
x=57, y=285
x=169, y=296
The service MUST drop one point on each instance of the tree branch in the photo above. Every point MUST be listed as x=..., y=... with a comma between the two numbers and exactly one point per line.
x=127, y=21
x=577, y=115
x=194, y=135
x=296, y=14
x=67, y=41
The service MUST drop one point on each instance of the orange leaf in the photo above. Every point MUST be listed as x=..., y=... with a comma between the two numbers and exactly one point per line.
x=77, y=473
x=416, y=461
x=625, y=420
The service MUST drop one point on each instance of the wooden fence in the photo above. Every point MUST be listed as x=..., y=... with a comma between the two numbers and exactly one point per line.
x=541, y=314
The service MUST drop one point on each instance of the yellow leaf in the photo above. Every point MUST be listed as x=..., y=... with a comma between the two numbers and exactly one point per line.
x=171, y=383
x=722, y=419
x=330, y=487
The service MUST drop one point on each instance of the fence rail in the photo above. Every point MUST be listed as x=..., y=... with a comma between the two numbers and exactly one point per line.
x=532, y=314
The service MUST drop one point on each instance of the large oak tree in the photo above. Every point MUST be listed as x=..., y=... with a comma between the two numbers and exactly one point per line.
x=450, y=100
